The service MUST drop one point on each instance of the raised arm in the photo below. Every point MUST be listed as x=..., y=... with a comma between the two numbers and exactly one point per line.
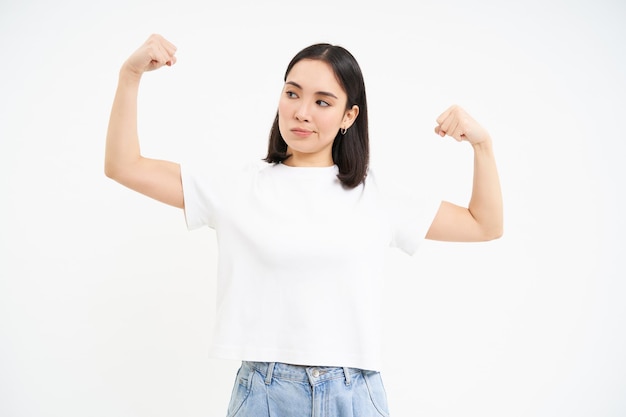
x=124, y=163
x=482, y=220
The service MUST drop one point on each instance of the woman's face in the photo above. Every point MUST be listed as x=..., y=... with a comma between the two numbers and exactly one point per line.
x=311, y=110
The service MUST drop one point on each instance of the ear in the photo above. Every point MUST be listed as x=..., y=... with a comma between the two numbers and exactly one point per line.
x=350, y=116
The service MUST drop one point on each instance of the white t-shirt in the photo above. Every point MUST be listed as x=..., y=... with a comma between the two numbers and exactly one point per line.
x=300, y=262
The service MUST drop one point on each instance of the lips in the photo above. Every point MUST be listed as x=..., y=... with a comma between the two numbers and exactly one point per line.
x=304, y=133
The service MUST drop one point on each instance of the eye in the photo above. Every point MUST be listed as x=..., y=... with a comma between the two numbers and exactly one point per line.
x=291, y=94
x=323, y=103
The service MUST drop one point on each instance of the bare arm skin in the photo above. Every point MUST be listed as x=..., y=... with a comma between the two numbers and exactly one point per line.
x=482, y=220
x=124, y=163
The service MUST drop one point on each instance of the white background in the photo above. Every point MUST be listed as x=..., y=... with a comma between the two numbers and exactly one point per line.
x=107, y=301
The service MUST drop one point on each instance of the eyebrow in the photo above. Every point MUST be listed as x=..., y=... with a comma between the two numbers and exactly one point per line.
x=323, y=93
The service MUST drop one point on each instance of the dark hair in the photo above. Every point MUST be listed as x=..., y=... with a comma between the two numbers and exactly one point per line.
x=350, y=152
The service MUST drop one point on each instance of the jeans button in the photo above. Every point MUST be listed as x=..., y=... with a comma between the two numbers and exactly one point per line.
x=316, y=373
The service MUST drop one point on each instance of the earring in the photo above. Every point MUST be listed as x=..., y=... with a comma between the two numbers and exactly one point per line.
x=343, y=130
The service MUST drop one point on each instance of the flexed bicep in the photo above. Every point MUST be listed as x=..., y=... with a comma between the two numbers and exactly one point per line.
x=454, y=223
x=158, y=179
x=124, y=163
x=482, y=219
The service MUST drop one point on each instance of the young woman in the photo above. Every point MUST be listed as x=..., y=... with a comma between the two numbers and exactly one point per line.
x=302, y=234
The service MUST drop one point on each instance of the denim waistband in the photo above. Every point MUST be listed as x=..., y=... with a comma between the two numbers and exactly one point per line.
x=301, y=373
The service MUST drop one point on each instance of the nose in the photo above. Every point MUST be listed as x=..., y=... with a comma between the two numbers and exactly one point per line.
x=302, y=113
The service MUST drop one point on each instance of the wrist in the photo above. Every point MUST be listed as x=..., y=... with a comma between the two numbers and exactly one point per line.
x=129, y=75
x=484, y=145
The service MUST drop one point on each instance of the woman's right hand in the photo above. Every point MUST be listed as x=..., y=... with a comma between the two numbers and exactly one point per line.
x=155, y=52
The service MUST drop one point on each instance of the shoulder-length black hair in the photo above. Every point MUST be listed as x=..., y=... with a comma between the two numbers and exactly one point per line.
x=350, y=152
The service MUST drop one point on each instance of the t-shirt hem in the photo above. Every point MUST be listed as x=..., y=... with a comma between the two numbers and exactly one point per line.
x=296, y=357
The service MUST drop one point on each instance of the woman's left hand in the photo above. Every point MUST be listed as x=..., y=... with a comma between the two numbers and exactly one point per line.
x=481, y=220
x=457, y=123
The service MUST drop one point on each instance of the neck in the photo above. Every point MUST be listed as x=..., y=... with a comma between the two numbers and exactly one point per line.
x=308, y=160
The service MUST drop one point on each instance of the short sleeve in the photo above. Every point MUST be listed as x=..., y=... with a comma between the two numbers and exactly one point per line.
x=199, y=195
x=209, y=191
x=411, y=217
x=410, y=213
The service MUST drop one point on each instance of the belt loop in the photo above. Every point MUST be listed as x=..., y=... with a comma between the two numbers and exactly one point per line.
x=270, y=371
x=346, y=373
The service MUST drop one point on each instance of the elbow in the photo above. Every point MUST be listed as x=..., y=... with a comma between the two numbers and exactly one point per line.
x=107, y=171
x=496, y=235
x=110, y=171
x=115, y=171
x=493, y=233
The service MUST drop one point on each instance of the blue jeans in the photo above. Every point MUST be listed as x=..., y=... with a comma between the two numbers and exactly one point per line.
x=279, y=390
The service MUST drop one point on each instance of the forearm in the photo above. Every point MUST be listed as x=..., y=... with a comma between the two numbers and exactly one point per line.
x=122, y=142
x=486, y=201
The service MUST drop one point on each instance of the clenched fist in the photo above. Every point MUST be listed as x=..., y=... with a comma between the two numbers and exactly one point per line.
x=153, y=54
x=455, y=122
